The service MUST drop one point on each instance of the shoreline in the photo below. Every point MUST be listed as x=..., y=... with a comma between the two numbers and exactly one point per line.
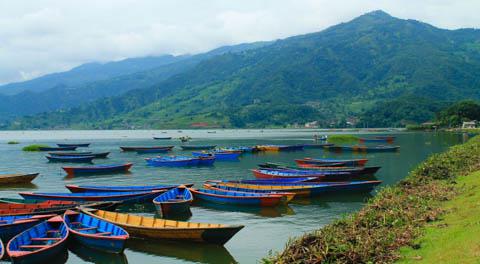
x=393, y=219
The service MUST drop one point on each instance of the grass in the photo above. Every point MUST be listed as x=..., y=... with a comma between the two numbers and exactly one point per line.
x=342, y=139
x=13, y=142
x=34, y=147
x=456, y=237
x=391, y=220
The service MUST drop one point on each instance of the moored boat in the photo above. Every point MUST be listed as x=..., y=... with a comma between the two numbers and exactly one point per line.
x=237, y=198
x=94, y=196
x=17, y=178
x=306, y=189
x=206, y=161
x=173, y=161
x=97, y=155
x=375, y=140
x=287, y=196
x=158, y=148
x=56, y=148
x=47, y=207
x=95, y=233
x=98, y=169
x=315, y=146
x=39, y=244
x=320, y=175
x=113, y=188
x=80, y=159
x=10, y=226
x=279, y=147
x=276, y=180
x=219, y=155
x=78, y=145
x=162, y=138
x=344, y=162
x=174, y=202
x=154, y=228
x=1, y=249
x=198, y=147
x=362, y=148
x=152, y=150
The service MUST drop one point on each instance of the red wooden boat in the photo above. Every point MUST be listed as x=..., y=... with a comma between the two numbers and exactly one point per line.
x=98, y=169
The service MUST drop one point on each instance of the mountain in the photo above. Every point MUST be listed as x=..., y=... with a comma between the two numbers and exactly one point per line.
x=87, y=73
x=92, y=81
x=330, y=76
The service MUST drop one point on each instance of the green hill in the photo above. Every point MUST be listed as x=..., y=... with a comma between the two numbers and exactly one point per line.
x=340, y=73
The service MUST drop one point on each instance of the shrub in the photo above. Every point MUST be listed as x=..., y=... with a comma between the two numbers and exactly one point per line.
x=34, y=147
x=13, y=142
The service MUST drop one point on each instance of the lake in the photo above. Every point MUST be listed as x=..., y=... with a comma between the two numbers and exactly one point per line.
x=265, y=228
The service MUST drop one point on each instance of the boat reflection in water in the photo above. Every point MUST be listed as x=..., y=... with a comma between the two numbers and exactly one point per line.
x=195, y=252
x=276, y=211
x=90, y=255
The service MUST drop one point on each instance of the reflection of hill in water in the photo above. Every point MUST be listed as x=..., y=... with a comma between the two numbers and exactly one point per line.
x=195, y=252
x=95, y=256
x=276, y=211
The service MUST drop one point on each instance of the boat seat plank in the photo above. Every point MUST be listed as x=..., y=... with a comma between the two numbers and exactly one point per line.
x=34, y=246
x=45, y=238
x=103, y=233
x=53, y=231
x=85, y=228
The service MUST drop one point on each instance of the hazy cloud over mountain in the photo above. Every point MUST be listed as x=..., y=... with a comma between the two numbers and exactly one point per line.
x=39, y=37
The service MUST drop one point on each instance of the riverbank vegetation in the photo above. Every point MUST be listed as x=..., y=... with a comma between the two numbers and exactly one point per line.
x=34, y=147
x=13, y=142
x=342, y=139
x=394, y=218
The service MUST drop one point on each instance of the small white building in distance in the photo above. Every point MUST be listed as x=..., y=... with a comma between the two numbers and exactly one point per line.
x=469, y=124
x=313, y=124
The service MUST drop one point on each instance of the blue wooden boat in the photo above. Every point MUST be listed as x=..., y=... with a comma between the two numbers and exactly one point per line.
x=41, y=243
x=270, y=181
x=240, y=148
x=2, y=249
x=95, y=233
x=56, y=148
x=112, y=188
x=94, y=196
x=306, y=189
x=344, y=162
x=158, y=148
x=237, y=198
x=97, y=155
x=353, y=171
x=287, y=196
x=219, y=155
x=206, y=161
x=315, y=146
x=279, y=174
x=173, y=161
x=85, y=159
x=152, y=150
x=98, y=169
x=10, y=226
x=362, y=148
x=78, y=145
x=162, y=138
x=174, y=202
x=198, y=147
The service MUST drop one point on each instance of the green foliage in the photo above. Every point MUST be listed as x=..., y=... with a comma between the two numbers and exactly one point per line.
x=34, y=147
x=342, y=139
x=384, y=70
x=454, y=115
x=390, y=220
x=13, y=142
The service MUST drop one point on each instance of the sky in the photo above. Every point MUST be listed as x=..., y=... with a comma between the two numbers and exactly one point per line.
x=44, y=36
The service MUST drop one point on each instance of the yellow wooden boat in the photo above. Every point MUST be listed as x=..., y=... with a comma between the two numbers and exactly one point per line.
x=155, y=228
x=268, y=148
x=17, y=178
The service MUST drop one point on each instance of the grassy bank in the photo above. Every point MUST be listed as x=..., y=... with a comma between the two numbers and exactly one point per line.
x=393, y=219
x=34, y=147
x=456, y=237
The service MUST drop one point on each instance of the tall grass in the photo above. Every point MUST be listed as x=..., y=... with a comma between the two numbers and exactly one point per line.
x=342, y=139
x=34, y=147
x=390, y=220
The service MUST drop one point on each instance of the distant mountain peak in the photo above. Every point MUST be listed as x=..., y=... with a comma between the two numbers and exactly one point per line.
x=377, y=14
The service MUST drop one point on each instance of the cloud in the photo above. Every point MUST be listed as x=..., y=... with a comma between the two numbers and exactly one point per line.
x=39, y=37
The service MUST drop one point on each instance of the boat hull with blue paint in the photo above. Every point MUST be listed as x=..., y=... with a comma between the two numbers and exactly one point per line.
x=78, y=145
x=112, y=188
x=80, y=159
x=198, y=147
x=96, y=196
x=172, y=161
x=10, y=226
x=174, y=202
x=42, y=243
x=95, y=233
x=98, y=169
x=237, y=198
x=343, y=162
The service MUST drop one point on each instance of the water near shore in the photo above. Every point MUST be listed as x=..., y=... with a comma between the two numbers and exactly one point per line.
x=266, y=229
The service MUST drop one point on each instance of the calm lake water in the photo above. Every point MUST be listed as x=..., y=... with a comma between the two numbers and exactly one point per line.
x=265, y=228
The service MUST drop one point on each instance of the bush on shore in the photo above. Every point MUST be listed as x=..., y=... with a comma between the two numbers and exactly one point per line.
x=390, y=220
x=342, y=139
x=34, y=147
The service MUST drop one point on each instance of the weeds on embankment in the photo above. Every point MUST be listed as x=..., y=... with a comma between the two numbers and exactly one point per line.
x=390, y=220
